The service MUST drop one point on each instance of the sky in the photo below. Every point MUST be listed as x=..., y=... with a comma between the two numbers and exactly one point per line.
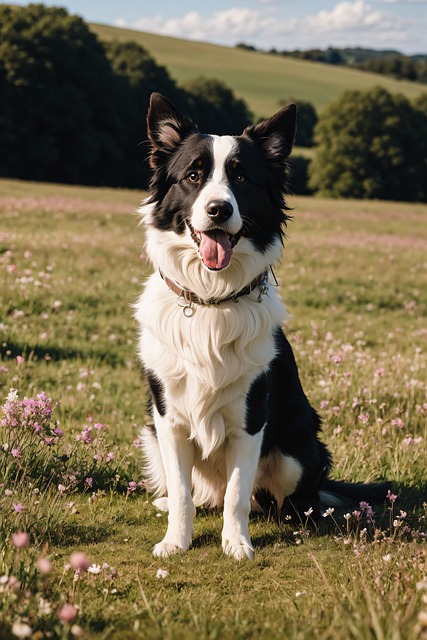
x=282, y=24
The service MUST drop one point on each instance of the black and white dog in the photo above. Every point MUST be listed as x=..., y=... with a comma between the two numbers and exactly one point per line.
x=232, y=425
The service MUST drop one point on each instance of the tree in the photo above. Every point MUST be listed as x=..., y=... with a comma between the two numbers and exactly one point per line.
x=369, y=146
x=72, y=109
x=63, y=114
x=214, y=107
x=139, y=75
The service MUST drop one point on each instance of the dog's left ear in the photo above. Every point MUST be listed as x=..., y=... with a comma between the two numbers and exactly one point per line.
x=276, y=135
x=166, y=126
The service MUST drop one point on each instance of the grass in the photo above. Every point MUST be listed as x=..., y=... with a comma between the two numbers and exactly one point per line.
x=262, y=79
x=353, y=276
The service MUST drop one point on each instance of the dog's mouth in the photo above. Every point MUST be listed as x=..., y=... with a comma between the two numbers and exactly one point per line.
x=215, y=246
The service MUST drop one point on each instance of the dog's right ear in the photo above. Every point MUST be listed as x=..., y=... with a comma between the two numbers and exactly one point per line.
x=166, y=126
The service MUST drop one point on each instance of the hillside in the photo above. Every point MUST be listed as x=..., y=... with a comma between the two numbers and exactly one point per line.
x=261, y=79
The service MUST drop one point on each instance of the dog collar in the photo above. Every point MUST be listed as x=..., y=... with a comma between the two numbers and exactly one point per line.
x=187, y=299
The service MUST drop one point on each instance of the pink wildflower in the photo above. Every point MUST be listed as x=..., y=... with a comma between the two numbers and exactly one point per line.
x=16, y=453
x=89, y=482
x=110, y=456
x=79, y=560
x=20, y=539
x=86, y=434
x=18, y=507
x=366, y=507
x=20, y=359
x=67, y=613
x=44, y=565
x=363, y=417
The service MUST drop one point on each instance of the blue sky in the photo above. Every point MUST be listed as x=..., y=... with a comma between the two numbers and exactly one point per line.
x=284, y=24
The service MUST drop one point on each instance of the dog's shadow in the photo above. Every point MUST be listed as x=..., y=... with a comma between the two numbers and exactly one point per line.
x=405, y=498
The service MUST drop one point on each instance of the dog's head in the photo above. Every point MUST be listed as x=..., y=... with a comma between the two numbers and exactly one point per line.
x=219, y=189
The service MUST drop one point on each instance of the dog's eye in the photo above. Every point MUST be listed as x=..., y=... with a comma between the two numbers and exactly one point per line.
x=241, y=178
x=193, y=176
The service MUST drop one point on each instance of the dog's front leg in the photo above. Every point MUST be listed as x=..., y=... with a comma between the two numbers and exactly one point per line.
x=177, y=455
x=242, y=454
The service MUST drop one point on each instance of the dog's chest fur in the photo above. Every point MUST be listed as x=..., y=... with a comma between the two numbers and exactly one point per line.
x=207, y=362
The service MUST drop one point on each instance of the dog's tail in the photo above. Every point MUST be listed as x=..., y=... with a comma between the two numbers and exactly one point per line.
x=348, y=495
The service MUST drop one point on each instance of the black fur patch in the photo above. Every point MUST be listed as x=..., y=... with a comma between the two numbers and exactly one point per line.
x=256, y=405
x=157, y=392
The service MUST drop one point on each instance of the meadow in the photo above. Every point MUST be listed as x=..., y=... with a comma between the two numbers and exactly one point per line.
x=76, y=524
x=262, y=79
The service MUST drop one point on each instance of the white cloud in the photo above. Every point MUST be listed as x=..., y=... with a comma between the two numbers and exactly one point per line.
x=348, y=23
x=120, y=22
x=227, y=26
x=351, y=17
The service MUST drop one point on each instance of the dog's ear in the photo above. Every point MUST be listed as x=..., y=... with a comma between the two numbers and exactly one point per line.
x=166, y=126
x=276, y=135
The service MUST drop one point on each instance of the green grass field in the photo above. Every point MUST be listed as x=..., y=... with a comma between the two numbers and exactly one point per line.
x=262, y=79
x=354, y=278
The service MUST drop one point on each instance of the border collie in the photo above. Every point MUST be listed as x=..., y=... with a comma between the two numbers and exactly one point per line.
x=232, y=428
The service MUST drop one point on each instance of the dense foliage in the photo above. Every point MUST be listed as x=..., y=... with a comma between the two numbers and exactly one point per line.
x=72, y=109
x=387, y=62
x=214, y=107
x=372, y=145
x=398, y=66
x=60, y=114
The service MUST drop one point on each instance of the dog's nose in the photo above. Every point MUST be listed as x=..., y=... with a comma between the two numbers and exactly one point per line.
x=219, y=210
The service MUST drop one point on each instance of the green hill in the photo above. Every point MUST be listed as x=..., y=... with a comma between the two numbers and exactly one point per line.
x=262, y=79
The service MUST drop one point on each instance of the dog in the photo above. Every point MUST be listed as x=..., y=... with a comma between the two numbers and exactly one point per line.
x=232, y=427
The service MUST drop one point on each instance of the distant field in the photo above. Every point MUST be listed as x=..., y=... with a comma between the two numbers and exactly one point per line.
x=261, y=79
x=354, y=278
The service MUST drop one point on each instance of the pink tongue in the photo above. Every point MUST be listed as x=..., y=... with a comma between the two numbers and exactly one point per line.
x=215, y=249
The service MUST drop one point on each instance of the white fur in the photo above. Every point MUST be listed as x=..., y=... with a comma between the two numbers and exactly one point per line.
x=217, y=188
x=206, y=363
x=177, y=453
x=279, y=474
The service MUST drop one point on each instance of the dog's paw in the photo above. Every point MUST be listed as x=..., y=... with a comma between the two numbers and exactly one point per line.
x=164, y=549
x=238, y=547
x=161, y=504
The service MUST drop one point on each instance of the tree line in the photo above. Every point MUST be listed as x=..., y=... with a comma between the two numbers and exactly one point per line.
x=390, y=63
x=72, y=110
